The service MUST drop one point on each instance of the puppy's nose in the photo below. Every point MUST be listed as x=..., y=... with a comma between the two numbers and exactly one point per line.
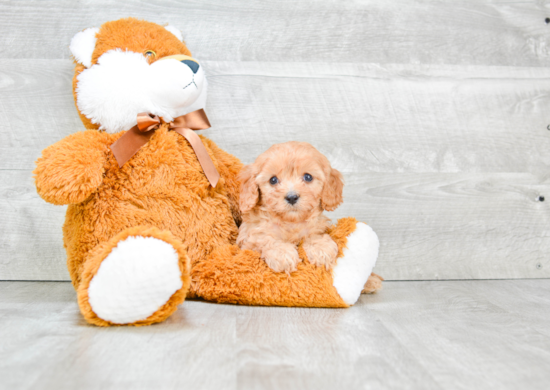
x=192, y=64
x=292, y=198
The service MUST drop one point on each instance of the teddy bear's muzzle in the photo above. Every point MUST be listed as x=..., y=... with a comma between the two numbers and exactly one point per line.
x=192, y=63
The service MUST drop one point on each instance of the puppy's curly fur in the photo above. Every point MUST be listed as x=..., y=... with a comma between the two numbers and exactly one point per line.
x=283, y=195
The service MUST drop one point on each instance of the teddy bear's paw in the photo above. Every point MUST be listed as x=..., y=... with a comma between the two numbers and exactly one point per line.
x=136, y=279
x=353, y=269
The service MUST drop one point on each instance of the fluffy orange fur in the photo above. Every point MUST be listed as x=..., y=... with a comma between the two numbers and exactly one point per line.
x=281, y=208
x=162, y=186
x=220, y=278
x=162, y=192
x=91, y=267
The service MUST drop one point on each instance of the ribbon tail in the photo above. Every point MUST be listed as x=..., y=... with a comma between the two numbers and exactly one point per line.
x=202, y=155
x=126, y=146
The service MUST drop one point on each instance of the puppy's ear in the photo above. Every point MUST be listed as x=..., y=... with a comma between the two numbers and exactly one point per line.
x=250, y=193
x=331, y=197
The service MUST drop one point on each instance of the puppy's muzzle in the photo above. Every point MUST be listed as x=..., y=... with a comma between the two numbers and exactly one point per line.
x=292, y=198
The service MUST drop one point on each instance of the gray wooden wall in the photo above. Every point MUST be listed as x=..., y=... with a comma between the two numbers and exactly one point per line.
x=436, y=112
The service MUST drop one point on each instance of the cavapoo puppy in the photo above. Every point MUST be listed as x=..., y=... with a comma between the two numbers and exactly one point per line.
x=283, y=196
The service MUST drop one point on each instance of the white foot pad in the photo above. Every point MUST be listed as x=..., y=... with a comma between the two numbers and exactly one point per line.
x=135, y=280
x=354, y=268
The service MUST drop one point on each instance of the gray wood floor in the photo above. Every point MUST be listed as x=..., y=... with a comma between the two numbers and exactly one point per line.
x=412, y=335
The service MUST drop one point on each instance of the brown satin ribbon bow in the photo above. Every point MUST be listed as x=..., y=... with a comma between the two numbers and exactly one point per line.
x=128, y=145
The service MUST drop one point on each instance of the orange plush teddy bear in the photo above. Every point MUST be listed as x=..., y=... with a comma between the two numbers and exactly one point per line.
x=153, y=208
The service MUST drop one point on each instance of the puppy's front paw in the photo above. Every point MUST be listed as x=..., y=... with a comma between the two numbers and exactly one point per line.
x=321, y=250
x=282, y=258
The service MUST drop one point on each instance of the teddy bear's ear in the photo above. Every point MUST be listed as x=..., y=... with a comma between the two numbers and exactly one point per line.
x=83, y=44
x=174, y=31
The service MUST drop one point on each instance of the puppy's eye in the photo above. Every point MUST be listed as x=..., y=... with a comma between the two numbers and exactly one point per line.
x=273, y=180
x=150, y=54
x=308, y=177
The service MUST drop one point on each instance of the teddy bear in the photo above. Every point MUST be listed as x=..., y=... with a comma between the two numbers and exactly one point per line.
x=153, y=208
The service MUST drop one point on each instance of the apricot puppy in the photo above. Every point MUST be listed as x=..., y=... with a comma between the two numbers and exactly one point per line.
x=283, y=196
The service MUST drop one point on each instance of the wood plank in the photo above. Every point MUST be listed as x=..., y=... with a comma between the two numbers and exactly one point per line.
x=411, y=335
x=454, y=225
x=31, y=240
x=395, y=118
x=36, y=109
x=462, y=336
x=41, y=323
x=524, y=300
x=481, y=33
x=431, y=225
x=291, y=348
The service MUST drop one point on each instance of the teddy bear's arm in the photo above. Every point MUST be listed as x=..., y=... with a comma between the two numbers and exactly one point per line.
x=70, y=170
x=229, y=167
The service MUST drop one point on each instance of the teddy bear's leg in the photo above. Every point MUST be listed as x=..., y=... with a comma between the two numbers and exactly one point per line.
x=138, y=277
x=354, y=269
x=231, y=275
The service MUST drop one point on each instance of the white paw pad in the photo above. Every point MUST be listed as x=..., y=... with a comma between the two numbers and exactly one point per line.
x=135, y=280
x=353, y=269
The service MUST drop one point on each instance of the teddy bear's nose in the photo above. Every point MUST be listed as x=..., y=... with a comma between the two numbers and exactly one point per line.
x=192, y=64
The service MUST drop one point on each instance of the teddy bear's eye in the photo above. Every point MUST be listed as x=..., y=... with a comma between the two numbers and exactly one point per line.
x=308, y=177
x=150, y=54
x=273, y=180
